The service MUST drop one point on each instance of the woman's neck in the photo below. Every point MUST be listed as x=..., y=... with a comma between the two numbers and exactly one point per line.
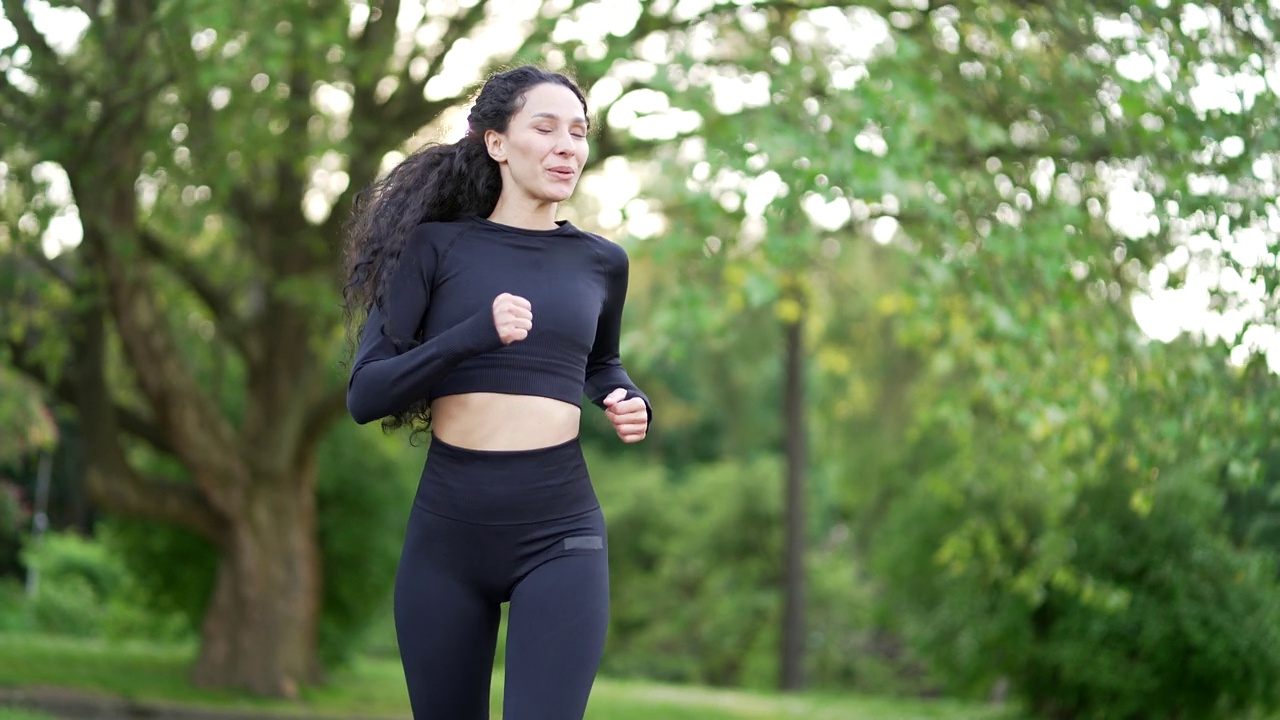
x=524, y=213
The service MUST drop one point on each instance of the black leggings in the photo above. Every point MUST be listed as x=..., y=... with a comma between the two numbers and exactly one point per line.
x=489, y=527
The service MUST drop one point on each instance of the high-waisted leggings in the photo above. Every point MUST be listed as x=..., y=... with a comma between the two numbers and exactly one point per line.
x=488, y=527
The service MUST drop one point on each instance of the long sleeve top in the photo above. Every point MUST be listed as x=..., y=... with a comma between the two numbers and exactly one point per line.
x=434, y=335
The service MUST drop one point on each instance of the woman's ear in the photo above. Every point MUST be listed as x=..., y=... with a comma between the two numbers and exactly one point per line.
x=495, y=143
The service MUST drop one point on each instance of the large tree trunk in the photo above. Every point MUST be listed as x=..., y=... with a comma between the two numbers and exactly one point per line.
x=793, y=624
x=260, y=628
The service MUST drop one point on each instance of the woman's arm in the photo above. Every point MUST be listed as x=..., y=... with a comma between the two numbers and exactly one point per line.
x=605, y=372
x=386, y=378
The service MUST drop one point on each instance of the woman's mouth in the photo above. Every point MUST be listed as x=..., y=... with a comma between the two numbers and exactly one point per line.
x=563, y=173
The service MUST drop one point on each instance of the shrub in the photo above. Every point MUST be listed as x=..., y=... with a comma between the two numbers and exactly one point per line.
x=76, y=580
x=14, y=521
x=696, y=568
x=1155, y=613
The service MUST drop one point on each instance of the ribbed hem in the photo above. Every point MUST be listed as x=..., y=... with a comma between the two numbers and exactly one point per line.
x=510, y=374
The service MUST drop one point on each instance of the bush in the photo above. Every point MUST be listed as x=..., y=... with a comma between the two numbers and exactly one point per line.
x=13, y=606
x=1156, y=613
x=14, y=521
x=77, y=579
x=82, y=590
x=171, y=576
x=696, y=568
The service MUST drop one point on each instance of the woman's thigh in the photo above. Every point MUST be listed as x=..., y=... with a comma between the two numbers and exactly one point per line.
x=558, y=620
x=446, y=624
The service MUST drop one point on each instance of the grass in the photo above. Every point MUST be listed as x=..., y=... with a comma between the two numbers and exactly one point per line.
x=15, y=714
x=375, y=688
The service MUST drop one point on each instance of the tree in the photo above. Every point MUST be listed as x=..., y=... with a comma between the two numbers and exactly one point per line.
x=757, y=170
x=1054, y=164
x=1034, y=166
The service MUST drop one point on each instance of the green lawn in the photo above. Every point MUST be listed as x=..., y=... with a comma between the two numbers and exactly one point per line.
x=374, y=688
x=14, y=714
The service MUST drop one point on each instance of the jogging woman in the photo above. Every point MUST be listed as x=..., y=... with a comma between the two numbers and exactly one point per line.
x=487, y=320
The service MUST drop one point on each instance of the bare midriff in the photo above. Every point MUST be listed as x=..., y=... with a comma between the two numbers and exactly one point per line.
x=496, y=421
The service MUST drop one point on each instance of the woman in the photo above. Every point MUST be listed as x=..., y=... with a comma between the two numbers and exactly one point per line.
x=491, y=319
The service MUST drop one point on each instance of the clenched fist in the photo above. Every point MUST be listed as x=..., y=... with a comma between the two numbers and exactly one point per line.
x=513, y=317
x=630, y=418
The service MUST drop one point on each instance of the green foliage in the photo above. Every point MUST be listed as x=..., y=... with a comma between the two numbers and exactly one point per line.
x=366, y=486
x=26, y=424
x=173, y=567
x=14, y=519
x=78, y=580
x=1102, y=576
x=696, y=568
x=1167, y=616
x=84, y=589
x=1014, y=164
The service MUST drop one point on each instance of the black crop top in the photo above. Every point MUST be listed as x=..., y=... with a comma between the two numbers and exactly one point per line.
x=435, y=335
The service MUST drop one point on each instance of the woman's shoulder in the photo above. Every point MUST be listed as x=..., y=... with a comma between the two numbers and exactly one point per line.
x=611, y=253
x=433, y=239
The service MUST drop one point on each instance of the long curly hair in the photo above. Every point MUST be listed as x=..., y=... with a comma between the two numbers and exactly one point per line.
x=436, y=183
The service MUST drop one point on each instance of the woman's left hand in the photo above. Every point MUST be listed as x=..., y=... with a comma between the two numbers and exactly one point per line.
x=630, y=418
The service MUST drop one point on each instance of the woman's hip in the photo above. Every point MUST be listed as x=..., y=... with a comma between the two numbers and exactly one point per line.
x=505, y=487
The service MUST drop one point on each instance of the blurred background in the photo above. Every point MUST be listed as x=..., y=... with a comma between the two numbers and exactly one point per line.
x=958, y=318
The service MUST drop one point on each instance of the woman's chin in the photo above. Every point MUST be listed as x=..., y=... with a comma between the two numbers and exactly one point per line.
x=558, y=193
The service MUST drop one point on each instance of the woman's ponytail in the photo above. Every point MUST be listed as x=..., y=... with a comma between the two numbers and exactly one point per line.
x=436, y=183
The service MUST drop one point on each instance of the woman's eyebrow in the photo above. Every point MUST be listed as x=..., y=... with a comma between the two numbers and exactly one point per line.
x=553, y=116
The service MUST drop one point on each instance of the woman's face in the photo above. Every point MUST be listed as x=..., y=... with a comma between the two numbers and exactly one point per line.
x=545, y=146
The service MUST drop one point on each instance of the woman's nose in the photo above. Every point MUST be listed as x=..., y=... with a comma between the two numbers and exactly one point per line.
x=564, y=144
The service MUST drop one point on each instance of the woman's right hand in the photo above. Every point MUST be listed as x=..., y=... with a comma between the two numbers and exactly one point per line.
x=513, y=317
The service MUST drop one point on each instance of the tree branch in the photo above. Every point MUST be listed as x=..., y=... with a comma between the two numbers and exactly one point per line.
x=57, y=270
x=16, y=107
x=408, y=106
x=20, y=358
x=64, y=389
x=201, y=436
x=542, y=32
x=215, y=298
x=320, y=415
x=379, y=34
x=110, y=478
x=377, y=128
x=117, y=105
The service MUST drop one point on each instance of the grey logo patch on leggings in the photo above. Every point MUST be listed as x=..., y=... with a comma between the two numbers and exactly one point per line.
x=586, y=542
